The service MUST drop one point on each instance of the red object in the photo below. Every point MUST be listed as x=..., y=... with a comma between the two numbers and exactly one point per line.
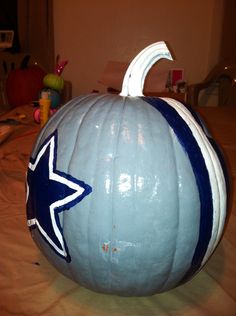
x=36, y=114
x=176, y=75
x=23, y=85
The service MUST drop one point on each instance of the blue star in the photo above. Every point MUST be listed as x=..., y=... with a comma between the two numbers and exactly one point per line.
x=49, y=192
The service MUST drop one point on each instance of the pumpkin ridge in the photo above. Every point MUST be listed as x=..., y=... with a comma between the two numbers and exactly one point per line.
x=82, y=121
x=63, y=111
x=218, y=204
x=68, y=169
x=135, y=110
x=184, y=131
x=119, y=130
x=92, y=201
x=64, y=216
x=218, y=216
x=149, y=116
x=138, y=284
x=172, y=134
x=162, y=287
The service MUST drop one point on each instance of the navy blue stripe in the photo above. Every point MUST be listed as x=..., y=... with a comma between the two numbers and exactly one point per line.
x=215, y=146
x=189, y=143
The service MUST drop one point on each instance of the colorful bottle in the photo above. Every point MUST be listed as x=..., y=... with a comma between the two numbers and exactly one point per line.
x=44, y=105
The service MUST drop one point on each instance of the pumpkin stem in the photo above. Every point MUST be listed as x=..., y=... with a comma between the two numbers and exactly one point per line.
x=25, y=62
x=136, y=73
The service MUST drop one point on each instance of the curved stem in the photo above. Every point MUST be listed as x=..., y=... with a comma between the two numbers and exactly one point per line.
x=136, y=73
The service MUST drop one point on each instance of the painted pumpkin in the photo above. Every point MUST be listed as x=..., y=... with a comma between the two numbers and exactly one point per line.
x=125, y=193
x=24, y=84
x=53, y=81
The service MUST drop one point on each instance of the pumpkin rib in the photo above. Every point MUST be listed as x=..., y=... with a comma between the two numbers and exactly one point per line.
x=214, y=164
x=64, y=113
x=215, y=153
x=173, y=138
x=72, y=158
x=62, y=218
x=184, y=130
x=61, y=113
x=122, y=105
x=89, y=256
x=82, y=121
x=176, y=238
x=98, y=141
x=70, y=267
x=219, y=198
x=83, y=117
x=149, y=114
x=138, y=285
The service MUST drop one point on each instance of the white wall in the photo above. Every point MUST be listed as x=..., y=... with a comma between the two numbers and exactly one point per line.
x=89, y=33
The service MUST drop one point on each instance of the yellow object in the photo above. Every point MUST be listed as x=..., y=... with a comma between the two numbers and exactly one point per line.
x=44, y=106
x=21, y=116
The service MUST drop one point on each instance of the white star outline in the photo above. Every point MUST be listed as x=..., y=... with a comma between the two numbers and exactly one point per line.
x=53, y=176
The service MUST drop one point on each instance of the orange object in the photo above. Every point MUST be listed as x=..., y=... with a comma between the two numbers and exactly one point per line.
x=44, y=106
